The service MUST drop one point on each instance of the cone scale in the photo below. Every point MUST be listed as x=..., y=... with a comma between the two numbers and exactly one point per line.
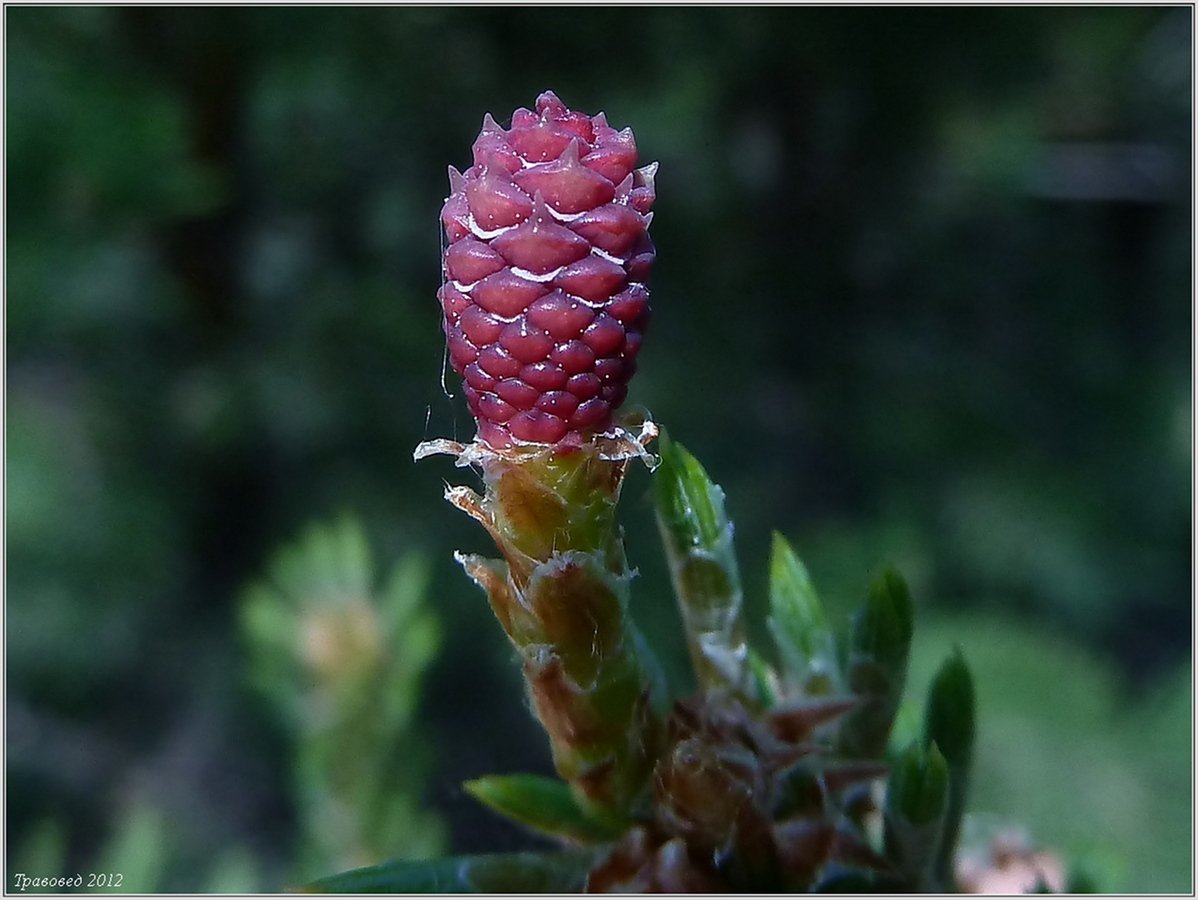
x=547, y=252
x=544, y=306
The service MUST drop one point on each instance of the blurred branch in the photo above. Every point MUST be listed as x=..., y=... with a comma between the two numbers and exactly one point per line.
x=341, y=661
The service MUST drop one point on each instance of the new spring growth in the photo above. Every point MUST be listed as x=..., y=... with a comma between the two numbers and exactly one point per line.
x=547, y=255
x=544, y=304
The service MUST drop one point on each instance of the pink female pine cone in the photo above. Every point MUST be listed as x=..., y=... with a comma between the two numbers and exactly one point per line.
x=545, y=266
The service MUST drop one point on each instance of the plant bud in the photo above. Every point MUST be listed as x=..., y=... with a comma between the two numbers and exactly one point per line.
x=547, y=253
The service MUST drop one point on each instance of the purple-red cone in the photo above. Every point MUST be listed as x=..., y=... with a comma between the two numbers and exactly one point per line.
x=547, y=254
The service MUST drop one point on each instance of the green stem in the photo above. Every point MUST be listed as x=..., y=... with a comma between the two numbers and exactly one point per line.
x=561, y=594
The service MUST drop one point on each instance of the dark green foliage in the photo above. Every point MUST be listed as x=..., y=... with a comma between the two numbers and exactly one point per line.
x=918, y=786
x=545, y=805
x=514, y=873
x=917, y=803
x=949, y=718
x=949, y=715
x=882, y=630
x=876, y=664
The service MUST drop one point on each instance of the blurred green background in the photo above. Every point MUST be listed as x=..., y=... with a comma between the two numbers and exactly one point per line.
x=923, y=296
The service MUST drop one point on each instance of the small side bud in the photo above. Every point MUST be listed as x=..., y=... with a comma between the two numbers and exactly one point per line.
x=805, y=642
x=949, y=724
x=877, y=665
x=698, y=541
x=950, y=714
x=917, y=799
x=918, y=790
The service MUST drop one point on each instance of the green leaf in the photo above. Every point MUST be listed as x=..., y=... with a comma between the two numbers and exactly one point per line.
x=543, y=804
x=883, y=629
x=688, y=503
x=698, y=542
x=879, y=644
x=764, y=680
x=916, y=804
x=562, y=872
x=805, y=641
x=950, y=714
x=949, y=725
x=918, y=789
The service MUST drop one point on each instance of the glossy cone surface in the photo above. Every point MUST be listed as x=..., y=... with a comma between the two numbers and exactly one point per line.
x=547, y=254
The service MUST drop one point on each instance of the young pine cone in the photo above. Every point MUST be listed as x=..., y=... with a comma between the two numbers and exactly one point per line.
x=547, y=256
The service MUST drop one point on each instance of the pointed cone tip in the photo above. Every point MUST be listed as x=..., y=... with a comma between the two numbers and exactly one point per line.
x=571, y=155
x=540, y=209
x=549, y=101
